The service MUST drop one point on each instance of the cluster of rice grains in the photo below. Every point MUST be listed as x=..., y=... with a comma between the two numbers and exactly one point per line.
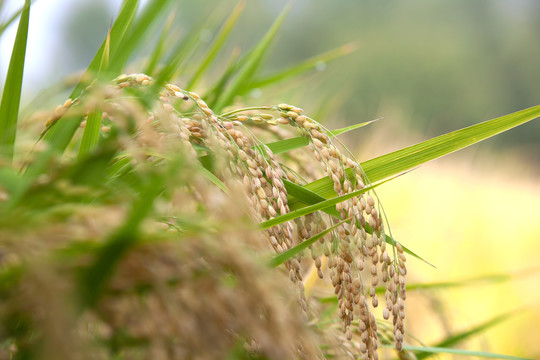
x=356, y=256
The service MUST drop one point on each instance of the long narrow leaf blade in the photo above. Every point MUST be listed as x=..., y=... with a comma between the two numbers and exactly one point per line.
x=149, y=16
x=412, y=156
x=299, y=195
x=282, y=146
x=217, y=44
x=286, y=255
x=112, y=41
x=248, y=70
x=59, y=134
x=481, y=354
x=11, y=98
x=157, y=53
x=408, y=158
x=9, y=21
x=315, y=207
x=454, y=339
x=90, y=138
x=306, y=65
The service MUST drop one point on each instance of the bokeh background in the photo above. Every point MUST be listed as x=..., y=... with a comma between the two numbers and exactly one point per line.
x=426, y=67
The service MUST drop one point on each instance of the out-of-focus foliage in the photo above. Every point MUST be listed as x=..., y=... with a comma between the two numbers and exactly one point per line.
x=443, y=64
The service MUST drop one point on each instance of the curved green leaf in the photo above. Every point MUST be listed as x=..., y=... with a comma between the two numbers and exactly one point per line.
x=113, y=40
x=413, y=156
x=60, y=133
x=482, y=354
x=11, y=98
x=410, y=157
x=323, y=205
x=454, y=339
x=217, y=44
x=286, y=255
x=299, y=196
x=282, y=146
x=252, y=63
x=304, y=66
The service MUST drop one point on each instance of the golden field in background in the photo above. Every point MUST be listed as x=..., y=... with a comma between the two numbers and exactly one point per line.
x=471, y=215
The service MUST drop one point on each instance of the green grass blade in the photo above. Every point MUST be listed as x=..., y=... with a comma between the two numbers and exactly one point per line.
x=454, y=339
x=59, y=134
x=304, y=66
x=315, y=207
x=488, y=279
x=481, y=354
x=217, y=44
x=148, y=17
x=160, y=46
x=9, y=21
x=346, y=129
x=286, y=255
x=90, y=138
x=112, y=42
x=482, y=280
x=180, y=52
x=412, y=156
x=213, y=178
x=299, y=195
x=282, y=146
x=11, y=98
x=408, y=158
x=244, y=77
x=233, y=64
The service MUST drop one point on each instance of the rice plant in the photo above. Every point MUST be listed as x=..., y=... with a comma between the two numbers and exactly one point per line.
x=147, y=221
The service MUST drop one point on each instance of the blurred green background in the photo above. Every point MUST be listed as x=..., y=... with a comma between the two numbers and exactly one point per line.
x=427, y=67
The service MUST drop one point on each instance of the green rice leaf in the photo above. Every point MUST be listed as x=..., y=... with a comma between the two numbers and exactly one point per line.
x=9, y=179
x=482, y=280
x=454, y=339
x=213, y=178
x=253, y=61
x=413, y=156
x=120, y=165
x=183, y=49
x=217, y=44
x=179, y=54
x=9, y=21
x=315, y=207
x=408, y=158
x=488, y=279
x=91, y=133
x=299, y=195
x=160, y=46
x=286, y=255
x=282, y=146
x=60, y=133
x=233, y=64
x=113, y=40
x=11, y=98
x=441, y=350
x=346, y=129
x=302, y=67
x=137, y=33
